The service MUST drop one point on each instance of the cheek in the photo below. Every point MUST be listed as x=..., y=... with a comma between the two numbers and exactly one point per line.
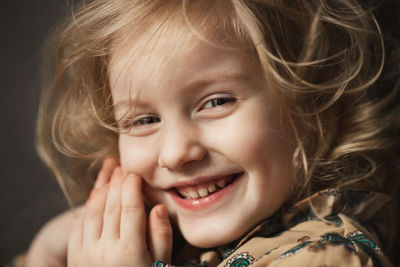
x=135, y=157
x=242, y=138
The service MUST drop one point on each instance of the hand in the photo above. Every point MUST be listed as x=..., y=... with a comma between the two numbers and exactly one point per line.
x=113, y=231
x=49, y=247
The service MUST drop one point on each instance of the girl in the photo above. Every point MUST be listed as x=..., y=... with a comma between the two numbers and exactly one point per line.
x=257, y=131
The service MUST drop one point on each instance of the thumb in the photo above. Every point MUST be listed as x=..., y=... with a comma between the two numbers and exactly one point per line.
x=160, y=234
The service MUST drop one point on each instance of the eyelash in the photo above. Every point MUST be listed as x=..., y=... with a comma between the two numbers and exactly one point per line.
x=143, y=121
x=147, y=120
x=217, y=101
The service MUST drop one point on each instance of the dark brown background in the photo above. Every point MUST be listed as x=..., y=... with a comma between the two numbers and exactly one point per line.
x=29, y=196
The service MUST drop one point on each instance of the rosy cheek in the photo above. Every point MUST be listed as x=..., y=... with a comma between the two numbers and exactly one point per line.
x=136, y=157
x=243, y=139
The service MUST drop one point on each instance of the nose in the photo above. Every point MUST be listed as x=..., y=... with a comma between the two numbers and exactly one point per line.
x=181, y=145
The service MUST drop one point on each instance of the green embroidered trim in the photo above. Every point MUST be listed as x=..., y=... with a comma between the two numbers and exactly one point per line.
x=240, y=260
x=163, y=264
x=294, y=250
x=359, y=237
x=337, y=240
x=356, y=238
x=160, y=264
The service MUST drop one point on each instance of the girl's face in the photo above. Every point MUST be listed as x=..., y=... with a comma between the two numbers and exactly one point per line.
x=205, y=137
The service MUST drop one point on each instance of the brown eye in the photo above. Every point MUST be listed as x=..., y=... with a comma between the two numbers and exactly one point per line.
x=218, y=102
x=146, y=120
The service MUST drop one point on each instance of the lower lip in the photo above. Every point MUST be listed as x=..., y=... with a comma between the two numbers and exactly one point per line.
x=204, y=202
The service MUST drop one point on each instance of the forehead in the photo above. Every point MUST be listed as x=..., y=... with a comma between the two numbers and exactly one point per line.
x=147, y=52
x=158, y=54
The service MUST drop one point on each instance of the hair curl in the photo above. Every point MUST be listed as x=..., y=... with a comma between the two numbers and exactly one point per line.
x=326, y=59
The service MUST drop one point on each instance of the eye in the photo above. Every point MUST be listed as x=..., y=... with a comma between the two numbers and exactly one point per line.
x=145, y=121
x=219, y=101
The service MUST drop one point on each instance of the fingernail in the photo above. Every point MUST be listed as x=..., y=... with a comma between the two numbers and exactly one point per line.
x=97, y=185
x=134, y=176
x=117, y=172
x=91, y=195
x=162, y=212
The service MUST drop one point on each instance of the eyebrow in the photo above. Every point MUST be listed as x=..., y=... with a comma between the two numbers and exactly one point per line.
x=132, y=102
x=208, y=80
x=193, y=85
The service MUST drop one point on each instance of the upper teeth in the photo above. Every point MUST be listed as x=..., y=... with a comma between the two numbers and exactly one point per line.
x=212, y=188
x=221, y=183
x=204, y=189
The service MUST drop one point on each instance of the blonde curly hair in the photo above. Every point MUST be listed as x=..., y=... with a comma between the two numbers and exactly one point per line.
x=326, y=60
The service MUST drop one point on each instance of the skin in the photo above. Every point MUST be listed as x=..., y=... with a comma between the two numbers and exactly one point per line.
x=104, y=228
x=112, y=231
x=176, y=134
x=49, y=248
x=205, y=112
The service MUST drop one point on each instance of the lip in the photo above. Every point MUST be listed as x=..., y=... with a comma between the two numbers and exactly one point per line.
x=205, y=202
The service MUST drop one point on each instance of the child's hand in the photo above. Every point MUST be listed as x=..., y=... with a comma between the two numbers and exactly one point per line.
x=113, y=230
x=49, y=248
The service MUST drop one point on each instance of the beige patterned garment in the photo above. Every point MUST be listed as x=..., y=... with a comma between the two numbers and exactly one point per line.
x=344, y=234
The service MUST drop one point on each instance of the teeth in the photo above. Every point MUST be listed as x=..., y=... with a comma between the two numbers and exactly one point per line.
x=193, y=194
x=198, y=192
x=212, y=188
x=221, y=183
x=185, y=194
x=203, y=192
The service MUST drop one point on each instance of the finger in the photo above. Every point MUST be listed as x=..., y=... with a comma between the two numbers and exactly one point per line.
x=93, y=221
x=112, y=212
x=133, y=216
x=160, y=234
x=104, y=176
x=75, y=240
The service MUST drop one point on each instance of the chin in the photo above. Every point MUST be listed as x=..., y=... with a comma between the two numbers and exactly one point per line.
x=208, y=242
x=211, y=237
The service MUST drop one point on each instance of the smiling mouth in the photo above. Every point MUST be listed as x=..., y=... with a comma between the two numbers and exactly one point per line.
x=206, y=189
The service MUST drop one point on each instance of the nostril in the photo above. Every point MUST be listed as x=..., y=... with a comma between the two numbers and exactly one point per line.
x=178, y=157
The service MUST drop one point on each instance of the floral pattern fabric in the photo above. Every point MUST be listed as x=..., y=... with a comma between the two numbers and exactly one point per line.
x=331, y=228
